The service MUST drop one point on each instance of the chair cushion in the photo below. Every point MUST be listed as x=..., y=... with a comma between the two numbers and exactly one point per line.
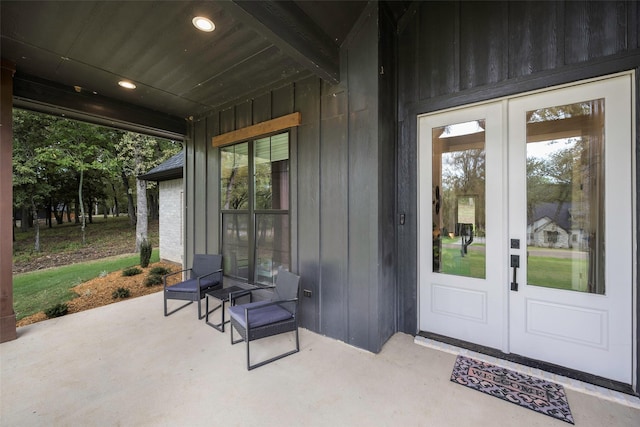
x=191, y=285
x=260, y=315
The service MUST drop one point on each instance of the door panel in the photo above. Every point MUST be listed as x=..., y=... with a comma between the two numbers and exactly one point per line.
x=461, y=224
x=570, y=199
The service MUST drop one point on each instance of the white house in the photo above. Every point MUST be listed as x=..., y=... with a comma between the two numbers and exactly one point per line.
x=171, y=195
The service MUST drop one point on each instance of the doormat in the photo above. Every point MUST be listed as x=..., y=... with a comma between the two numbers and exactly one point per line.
x=532, y=393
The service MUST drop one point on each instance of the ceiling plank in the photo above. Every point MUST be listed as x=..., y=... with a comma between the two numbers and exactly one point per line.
x=286, y=26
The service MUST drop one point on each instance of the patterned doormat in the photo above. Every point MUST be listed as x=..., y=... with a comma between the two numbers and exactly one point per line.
x=529, y=392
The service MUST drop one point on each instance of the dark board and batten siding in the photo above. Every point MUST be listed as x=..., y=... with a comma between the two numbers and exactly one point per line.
x=455, y=53
x=342, y=183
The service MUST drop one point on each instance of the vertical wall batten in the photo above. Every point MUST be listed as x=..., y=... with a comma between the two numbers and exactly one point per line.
x=334, y=198
x=308, y=198
x=199, y=188
x=189, y=182
x=213, y=186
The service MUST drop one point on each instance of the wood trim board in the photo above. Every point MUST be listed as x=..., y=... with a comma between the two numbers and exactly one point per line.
x=262, y=128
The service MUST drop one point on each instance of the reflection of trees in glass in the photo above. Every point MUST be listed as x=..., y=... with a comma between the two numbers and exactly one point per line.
x=559, y=112
x=234, y=177
x=565, y=154
x=550, y=179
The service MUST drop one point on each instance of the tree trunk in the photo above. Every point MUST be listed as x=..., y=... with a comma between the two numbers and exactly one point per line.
x=76, y=210
x=68, y=209
x=153, y=203
x=90, y=210
x=59, y=214
x=115, y=200
x=141, y=225
x=24, y=219
x=130, y=207
x=84, y=223
x=36, y=225
x=49, y=210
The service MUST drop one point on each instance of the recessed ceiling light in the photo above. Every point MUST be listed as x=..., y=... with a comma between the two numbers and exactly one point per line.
x=126, y=84
x=203, y=24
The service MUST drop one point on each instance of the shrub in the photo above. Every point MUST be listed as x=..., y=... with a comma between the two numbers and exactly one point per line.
x=160, y=271
x=145, y=253
x=131, y=271
x=153, y=279
x=57, y=310
x=121, y=293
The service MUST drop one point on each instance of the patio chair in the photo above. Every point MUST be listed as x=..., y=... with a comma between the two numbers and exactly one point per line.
x=263, y=319
x=204, y=275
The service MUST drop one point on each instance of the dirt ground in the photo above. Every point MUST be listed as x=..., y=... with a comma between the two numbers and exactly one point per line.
x=98, y=292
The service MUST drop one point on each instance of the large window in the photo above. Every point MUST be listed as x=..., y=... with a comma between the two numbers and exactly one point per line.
x=254, y=196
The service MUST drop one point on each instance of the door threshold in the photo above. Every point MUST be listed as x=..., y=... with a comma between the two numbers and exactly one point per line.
x=576, y=380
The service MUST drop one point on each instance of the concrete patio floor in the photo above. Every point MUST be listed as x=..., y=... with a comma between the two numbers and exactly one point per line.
x=126, y=364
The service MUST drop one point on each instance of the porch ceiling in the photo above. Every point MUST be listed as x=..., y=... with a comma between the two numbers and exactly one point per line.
x=69, y=55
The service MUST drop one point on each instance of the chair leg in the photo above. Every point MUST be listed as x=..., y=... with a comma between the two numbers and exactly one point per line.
x=248, y=359
x=273, y=359
x=173, y=311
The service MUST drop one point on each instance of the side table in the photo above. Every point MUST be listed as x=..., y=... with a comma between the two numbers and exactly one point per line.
x=222, y=295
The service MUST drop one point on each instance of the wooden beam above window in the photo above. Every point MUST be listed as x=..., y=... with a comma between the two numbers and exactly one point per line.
x=263, y=128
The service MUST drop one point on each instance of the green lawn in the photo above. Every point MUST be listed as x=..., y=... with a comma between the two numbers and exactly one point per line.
x=471, y=265
x=551, y=272
x=36, y=291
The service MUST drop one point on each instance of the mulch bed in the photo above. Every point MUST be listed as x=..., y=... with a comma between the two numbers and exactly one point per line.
x=98, y=292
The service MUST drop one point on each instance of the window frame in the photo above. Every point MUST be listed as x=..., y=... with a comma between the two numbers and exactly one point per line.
x=251, y=211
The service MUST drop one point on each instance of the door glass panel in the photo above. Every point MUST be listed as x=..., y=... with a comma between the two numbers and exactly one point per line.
x=565, y=197
x=458, y=194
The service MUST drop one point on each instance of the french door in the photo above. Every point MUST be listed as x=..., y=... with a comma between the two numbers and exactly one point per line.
x=526, y=226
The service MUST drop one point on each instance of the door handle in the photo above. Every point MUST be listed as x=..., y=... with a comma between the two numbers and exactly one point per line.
x=515, y=263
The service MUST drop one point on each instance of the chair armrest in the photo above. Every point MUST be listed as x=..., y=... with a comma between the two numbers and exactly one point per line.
x=238, y=294
x=164, y=278
x=270, y=303
x=209, y=274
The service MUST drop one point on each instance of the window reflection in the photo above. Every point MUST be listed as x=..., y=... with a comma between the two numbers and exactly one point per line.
x=459, y=199
x=565, y=197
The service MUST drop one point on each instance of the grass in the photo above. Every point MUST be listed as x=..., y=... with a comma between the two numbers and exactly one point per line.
x=471, y=265
x=550, y=272
x=104, y=237
x=36, y=291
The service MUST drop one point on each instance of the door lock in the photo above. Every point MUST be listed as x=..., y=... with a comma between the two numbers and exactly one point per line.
x=515, y=263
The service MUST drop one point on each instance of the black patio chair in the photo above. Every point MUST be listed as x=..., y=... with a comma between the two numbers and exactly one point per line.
x=263, y=319
x=204, y=275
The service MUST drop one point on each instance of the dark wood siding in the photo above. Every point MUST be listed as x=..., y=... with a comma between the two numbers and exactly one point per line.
x=437, y=49
x=483, y=31
x=342, y=189
x=533, y=37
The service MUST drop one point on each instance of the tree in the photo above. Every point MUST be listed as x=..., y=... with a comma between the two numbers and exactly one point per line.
x=30, y=164
x=137, y=154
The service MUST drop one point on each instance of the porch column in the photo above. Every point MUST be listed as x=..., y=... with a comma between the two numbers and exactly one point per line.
x=7, y=315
